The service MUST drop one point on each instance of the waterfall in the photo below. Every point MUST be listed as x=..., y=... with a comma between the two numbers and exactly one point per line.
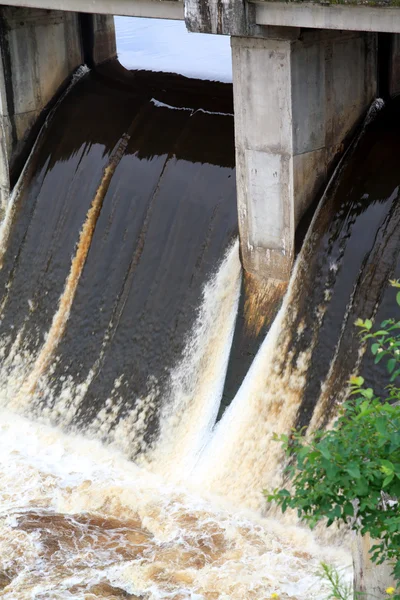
x=300, y=373
x=196, y=384
x=117, y=325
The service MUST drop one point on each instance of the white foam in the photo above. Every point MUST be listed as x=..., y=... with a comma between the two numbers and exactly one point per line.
x=196, y=384
x=76, y=516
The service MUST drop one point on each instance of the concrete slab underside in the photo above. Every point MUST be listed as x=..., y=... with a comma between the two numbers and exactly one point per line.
x=158, y=9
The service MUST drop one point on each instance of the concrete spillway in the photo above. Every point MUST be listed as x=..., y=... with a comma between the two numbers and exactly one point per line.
x=164, y=217
x=299, y=376
x=120, y=286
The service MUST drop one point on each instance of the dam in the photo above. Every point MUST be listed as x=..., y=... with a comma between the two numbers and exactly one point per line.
x=299, y=72
x=153, y=336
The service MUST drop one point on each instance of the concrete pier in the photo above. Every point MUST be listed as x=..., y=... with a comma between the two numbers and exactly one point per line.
x=98, y=38
x=370, y=580
x=40, y=49
x=297, y=96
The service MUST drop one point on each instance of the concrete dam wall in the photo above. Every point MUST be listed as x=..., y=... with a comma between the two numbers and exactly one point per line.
x=294, y=108
x=119, y=323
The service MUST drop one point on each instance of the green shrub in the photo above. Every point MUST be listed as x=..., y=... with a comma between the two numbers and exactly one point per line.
x=351, y=473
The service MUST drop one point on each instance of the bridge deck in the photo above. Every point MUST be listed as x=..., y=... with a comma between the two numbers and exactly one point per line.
x=349, y=16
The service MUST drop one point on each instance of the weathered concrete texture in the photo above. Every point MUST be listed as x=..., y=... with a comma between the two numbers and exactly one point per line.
x=39, y=50
x=104, y=41
x=225, y=17
x=394, y=67
x=363, y=3
x=239, y=17
x=370, y=580
x=295, y=102
x=332, y=16
x=157, y=9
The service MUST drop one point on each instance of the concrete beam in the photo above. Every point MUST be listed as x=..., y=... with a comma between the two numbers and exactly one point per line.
x=227, y=18
x=332, y=16
x=295, y=102
x=157, y=9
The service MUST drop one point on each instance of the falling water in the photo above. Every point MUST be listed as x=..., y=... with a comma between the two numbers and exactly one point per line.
x=300, y=373
x=116, y=330
x=196, y=384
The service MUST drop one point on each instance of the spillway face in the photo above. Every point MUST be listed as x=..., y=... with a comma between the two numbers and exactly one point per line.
x=125, y=213
x=300, y=373
x=120, y=284
x=125, y=318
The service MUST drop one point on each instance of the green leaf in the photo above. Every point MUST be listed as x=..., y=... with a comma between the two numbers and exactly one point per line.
x=387, y=466
x=358, y=381
x=398, y=298
x=304, y=451
x=395, y=488
x=368, y=324
x=348, y=509
x=379, y=357
x=387, y=480
x=386, y=323
x=391, y=365
x=364, y=406
x=381, y=425
x=368, y=393
x=374, y=348
x=353, y=470
x=395, y=374
x=325, y=453
x=361, y=488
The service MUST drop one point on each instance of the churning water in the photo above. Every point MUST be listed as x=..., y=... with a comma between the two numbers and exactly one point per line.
x=125, y=320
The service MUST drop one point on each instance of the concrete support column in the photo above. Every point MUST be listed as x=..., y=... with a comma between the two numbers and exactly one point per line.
x=40, y=49
x=296, y=99
x=394, y=67
x=99, y=40
x=370, y=580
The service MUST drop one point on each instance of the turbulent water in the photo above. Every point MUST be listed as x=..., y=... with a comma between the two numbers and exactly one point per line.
x=124, y=322
x=300, y=372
